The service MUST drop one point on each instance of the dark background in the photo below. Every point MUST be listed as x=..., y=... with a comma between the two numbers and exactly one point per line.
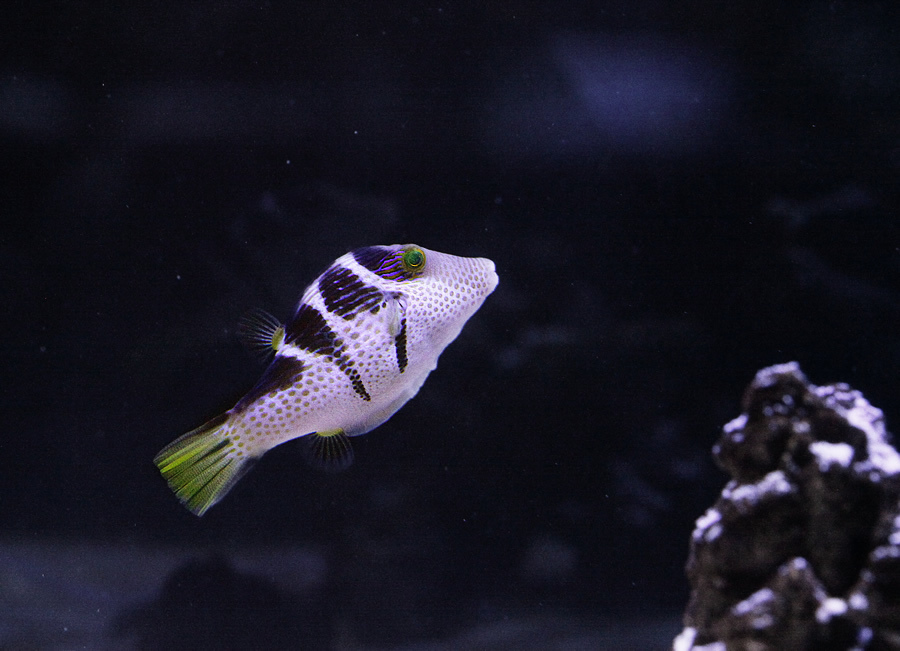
x=675, y=195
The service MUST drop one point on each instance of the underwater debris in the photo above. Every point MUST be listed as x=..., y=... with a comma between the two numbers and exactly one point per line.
x=802, y=548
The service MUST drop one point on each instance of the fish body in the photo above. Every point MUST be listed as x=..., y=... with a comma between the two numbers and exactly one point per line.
x=365, y=336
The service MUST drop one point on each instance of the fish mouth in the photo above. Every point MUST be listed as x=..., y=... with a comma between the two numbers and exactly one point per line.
x=490, y=274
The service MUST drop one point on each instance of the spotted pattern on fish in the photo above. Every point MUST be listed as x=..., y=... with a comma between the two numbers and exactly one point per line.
x=365, y=336
x=282, y=372
x=311, y=332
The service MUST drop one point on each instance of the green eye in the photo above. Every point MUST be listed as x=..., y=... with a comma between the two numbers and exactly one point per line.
x=414, y=260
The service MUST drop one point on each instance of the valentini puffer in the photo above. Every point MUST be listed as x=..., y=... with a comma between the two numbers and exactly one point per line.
x=365, y=336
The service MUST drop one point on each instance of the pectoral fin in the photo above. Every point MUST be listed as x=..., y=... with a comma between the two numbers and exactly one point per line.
x=396, y=313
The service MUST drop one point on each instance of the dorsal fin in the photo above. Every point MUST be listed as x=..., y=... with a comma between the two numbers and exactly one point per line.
x=261, y=332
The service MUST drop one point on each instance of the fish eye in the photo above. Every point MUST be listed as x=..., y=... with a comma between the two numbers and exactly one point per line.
x=414, y=260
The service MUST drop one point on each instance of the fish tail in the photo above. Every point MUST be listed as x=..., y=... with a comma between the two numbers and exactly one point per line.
x=203, y=465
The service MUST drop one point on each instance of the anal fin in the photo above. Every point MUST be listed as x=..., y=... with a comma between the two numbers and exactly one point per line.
x=328, y=450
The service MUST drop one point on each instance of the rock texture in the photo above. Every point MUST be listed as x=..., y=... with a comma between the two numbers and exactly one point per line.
x=802, y=548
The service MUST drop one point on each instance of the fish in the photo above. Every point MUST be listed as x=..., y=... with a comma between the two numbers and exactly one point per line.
x=363, y=339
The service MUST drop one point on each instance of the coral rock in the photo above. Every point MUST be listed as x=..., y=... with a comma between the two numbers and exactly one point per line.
x=802, y=548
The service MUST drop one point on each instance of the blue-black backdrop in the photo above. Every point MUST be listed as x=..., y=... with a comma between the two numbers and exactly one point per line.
x=675, y=195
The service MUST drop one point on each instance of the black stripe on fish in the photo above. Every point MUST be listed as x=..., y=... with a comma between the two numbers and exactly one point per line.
x=400, y=345
x=346, y=295
x=282, y=372
x=311, y=332
x=371, y=257
x=387, y=263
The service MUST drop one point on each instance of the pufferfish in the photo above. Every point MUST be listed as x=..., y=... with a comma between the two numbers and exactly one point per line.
x=366, y=334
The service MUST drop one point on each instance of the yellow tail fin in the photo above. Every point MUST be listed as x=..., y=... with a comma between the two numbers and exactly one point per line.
x=203, y=465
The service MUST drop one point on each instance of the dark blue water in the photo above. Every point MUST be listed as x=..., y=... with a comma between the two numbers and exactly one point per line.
x=675, y=196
